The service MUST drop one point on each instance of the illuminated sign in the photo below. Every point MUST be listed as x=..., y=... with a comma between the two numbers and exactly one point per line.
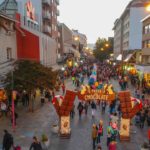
x=106, y=93
x=30, y=11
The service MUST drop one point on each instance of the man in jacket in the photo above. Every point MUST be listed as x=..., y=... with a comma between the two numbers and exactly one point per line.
x=7, y=140
x=36, y=145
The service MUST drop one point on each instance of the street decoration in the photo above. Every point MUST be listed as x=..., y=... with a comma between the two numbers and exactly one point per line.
x=96, y=90
x=125, y=129
x=3, y=96
x=63, y=106
x=93, y=76
x=102, y=92
x=129, y=107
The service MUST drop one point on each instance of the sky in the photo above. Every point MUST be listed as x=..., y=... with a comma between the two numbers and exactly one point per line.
x=95, y=18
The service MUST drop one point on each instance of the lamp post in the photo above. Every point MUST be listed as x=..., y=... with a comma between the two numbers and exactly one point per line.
x=13, y=99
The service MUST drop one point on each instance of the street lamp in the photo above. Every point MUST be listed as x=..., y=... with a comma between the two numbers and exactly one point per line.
x=148, y=8
x=76, y=38
x=102, y=49
x=106, y=45
x=62, y=68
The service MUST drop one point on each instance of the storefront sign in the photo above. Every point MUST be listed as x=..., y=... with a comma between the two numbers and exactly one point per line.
x=30, y=12
x=106, y=93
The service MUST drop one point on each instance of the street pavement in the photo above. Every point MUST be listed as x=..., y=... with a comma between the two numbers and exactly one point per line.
x=41, y=121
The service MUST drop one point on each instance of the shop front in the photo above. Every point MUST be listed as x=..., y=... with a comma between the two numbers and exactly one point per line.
x=144, y=74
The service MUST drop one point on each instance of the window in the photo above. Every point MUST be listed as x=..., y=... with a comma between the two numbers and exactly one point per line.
x=9, y=53
x=55, y=28
x=147, y=29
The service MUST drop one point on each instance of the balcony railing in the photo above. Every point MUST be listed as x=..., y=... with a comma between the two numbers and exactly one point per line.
x=47, y=29
x=58, y=13
x=47, y=2
x=57, y=2
x=46, y=15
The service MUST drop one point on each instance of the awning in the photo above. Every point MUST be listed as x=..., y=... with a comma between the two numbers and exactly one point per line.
x=129, y=56
x=144, y=69
x=119, y=57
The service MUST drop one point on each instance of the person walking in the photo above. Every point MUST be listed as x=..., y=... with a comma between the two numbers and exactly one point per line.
x=80, y=109
x=72, y=112
x=142, y=120
x=109, y=134
x=7, y=141
x=94, y=135
x=103, y=106
x=93, y=106
x=100, y=131
x=36, y=145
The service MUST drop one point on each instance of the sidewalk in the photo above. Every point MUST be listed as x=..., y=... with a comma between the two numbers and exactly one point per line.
x=30, y=124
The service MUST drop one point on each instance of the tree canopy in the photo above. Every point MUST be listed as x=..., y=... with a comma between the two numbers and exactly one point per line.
x=103, y=49
x=30, y=75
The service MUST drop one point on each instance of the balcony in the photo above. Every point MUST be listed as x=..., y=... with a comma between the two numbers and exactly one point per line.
x=58, y=13
x=46, y=15
x=46, y=2
x=57, y=2
x=47, y=29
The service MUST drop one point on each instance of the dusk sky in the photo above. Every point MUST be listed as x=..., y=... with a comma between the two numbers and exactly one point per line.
x=95, y=18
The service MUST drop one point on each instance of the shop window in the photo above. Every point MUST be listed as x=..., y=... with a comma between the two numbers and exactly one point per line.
x=148, y=44
x=9, y=53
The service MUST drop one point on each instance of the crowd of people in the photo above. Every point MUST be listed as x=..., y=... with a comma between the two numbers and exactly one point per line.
x=79, y=75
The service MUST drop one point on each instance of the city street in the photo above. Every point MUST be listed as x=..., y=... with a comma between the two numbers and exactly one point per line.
x=74, y=75
x=42, y=119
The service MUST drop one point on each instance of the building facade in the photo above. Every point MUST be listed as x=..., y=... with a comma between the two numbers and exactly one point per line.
x=32, y=42
x=8, y=47
x=126, y=36
x=146, y=41
x=65, y=39
x=80, y=40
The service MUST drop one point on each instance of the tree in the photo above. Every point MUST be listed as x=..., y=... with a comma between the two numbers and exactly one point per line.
x=103, y=49
x=30, y=75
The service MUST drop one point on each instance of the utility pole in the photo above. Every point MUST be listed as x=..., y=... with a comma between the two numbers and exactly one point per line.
x=13, y=105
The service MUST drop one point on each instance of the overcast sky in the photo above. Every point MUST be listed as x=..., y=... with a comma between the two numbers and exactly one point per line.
x=95, y=18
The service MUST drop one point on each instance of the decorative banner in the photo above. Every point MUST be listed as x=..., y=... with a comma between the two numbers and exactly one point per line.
x=125, y=129
x=65, y=125
x=3, y=96
x=105, y=92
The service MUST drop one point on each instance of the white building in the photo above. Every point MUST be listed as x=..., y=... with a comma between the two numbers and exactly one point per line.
x=8, y=49
x=128, y=28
